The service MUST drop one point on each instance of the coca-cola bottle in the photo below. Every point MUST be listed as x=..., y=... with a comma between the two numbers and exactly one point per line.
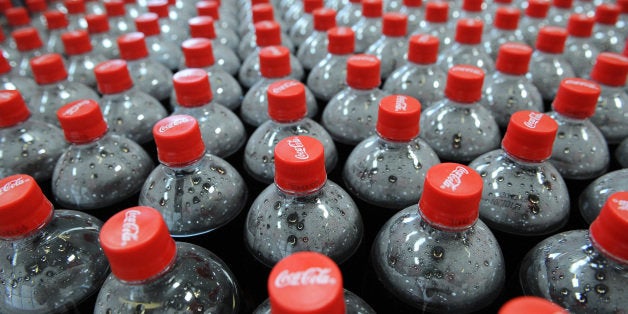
x=29, y=45
x=368, y=29
x=76, y=11
x=211, y=8
x=437, y=256
x=605, y=35
x=103, y=41
x=267, y=33
x=18, y=18
x=225, y=32
x=530, y=304
x=314, y=47
x=505, y=29
x=621, y=153
x=57, y=24
x=37, y=10
x=392, y=47
x=350, y=13
x=436, y=24
x=413, y=9
x=171, y=30
x=8, y=48
x=559, y=12
x=119, y=22
x=303, y=27
x=534, y=18
x=259, y=12
x=548, y=66
x=594, y=196
x=579, y=49
x=225, y=56
x=467, y=48
x=11, y=80
x=161, y=48
x=82, y=59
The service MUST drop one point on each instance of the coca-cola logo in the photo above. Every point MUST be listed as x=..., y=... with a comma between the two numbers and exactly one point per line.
x=76, y=107
x=13, y=184
x=401, y=104
x=299, y=149
x=130, y=228
x=309, y=277
x=581, y=83
x=284, y=86
x=621, y=204
x=454, y=179
x=173, y=123
x=5, y=95
x=465, y=69
x=364, y=58
x=533, y=119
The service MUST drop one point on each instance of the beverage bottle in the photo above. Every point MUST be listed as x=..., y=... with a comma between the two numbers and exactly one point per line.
x=82, y=59
x=580, y=51
x=437, y=256
x=29, y=45
x=183, y=10
x=171, y=30
x=388, y=169
x=351, y=115
x=134, y=9
x=559, y=12
x=51, y=258
x=622, y=21
x=621, y=153
x=259, y=12
x=57, y=23
x=128, y=110
x=534, y=18
x=420, y=77
x=161, y=49
x=467, y=48
x=119, y=22
x=350, y=13
x=303, y=27
x=290, y=16
x=413, y=9
x=150, y=76
x=99, y=168
x=54, y=90
x=314, y=47
x=492, y=7
x=153, y=273
x=275, y=65
x=223, y=133
x=328, y=76
x=76, y=11
x=459, y=127
x=225, y=56
x=594, y=196
x=27, y=145
x=391, y=48
x=8, y=48
x=36, y=10
x=580, y=151
x=309, y=282
x=436, y=24
x=302, y=210
x=510, y=89
x=249, y=42
x=605, y=35
x=530, y=304
x=473, y=9
x=548, y=66
x=368, y=29
x=11, y=80
x=582, y=270
x=225, y=25
x=18, y=18
x=287, y=111
x=104, y=43
x=505, y=29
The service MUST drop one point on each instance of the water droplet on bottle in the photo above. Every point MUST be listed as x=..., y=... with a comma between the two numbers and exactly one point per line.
x=196, y=200
x=392, y=179
x=564, y=291
x=124, y=149
x=457, y=140
x=140, y=309
x=277, y=205
x=566, y=150
x=221, y=170
x=292, y=240
x=533, y=205
x=438, y=253
x=94, y=176
x=24, y=153
x=380, y=157
x=561, y=135
x=601, y=289
x=196, y=180
x=163, y=201
x=600, y=276
x=392, y=260
x=206, y=186
x=292, y=218
x=500, y=179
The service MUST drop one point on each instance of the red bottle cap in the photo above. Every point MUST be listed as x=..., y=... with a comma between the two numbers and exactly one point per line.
x=398, y=118
x=469, y=31
x=17, y=16
x=198, y=52
x=310, y=5
x=623, y=6
x=341, y=40
x=274, y=61
x=299, y=164
x=507, y=18
x=513, y=58
x=580, y=25
x=608, y=230
x=27, y=39
x=132, y=46
x=451, y=196
x=192, y=87
x=97, y=23
x=208, y=8
x=529, y=304
x=263, y=12
x=75, y=6
x=202, y=27
x=530, y=136
x=4, y=5
x=324, y=19
x=113, y=77
x=563, y=4
x=306, y=282
x=464, y=83
x=286, y=101
x=412, y=3
x=267, y=33
x=423, y=49
x=48, y=68
x=148, y=23
x=372, y=8
x=537, y=8
x=363, y=71
x=76, y=42
x=607, y=13
x=13, y=109
x=115, y=8
x=507, y=2
x=610, y=69
x=395, y=24
x=576, y=98
x=36, y=5
x=56, y=20
x=23, y=206
x=472, y=5
x=437, y=12
x=159, y=7
x=82, y=121
x=178, y=139
x=5, y=67
x=254, y=2
x=551, y=39
x=137, y=243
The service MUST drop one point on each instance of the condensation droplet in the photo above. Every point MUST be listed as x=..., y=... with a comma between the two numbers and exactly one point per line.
x=438, y=253
x=292, y=240
x=392, y=179
x=601, y=289
x=196, y=180
x=457, y=140
x=566, y=150
x=163, y=201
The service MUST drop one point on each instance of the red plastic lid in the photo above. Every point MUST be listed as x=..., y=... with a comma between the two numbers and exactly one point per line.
x=537, y=8
x=608, y=230
x=513, y=58
x=530, y=304
x=363, y=71
x=607, y=13
x=395, y=24
x=198, y=52
x=610, y=69
x=148, y=23
x=267, y=33
x=75, y=6
x=262, y=12
x=310, y=5
x=299, y=164
x=286, y=101
x=576, y=98
x=114, y=8
x=27, y=39
x=341, y=40
x=530, y=136
x=451, y=196
x=202, y=27
x=507, y=18
x=17, y=16
x=4, y=5
x=192, y=87
x=82, y=121
x=324, y=19
x=113, y=77
x=208, y=8
x=178, y=139
x=5, y=67
x=372, y=8
x=56, y=20
x=132, y=46
x=412, y=3
x=472, y=5
x=254, y=2
x=23, y=206
x=36, y=5
x=423, y=49
x=48, y=68
x=551, y=39
x=159, y=7
x=398, y=118
x=97, y=23
x=580, y=25
x=464, y=83
x=563, y=4
x=137, y=243
x=13, y=109
x=469, y=31
x=623, y=6
x=274, y=61
x=76, y=42
x=306, y=282
x=437, y=12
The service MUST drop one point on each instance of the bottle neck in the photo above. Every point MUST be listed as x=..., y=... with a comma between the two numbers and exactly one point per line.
x=171, y=266
x=186, y=168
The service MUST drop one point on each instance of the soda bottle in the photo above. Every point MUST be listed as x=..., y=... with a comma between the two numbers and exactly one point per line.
x=436, y=24
x=467, y=48
x=368, y=29
x=350, y=13
x=225, y=56
x=303, y=27
x=11, y=80
x=29, y=45
x=534, y=18
x=76, y=11
x=505, y=30
x=119, y=22
x=57, y=24
x=82, y=59
x=225, y=28
x=548, y=66
x=413, y=9
x=314, y=47
x=270, y=34
x=161, y=48
x=103, y=41
x=594, y=196
x=392, y=46
x=259, y=12
x=580, y=51
x=171, y=30
x=559, y=12
x=605, y=35
x=36, y=10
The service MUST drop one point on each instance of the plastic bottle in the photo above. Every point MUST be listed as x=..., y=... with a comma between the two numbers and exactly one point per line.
x=548, y=66
x=437, y=255
x=302, y=210
x=392, y=46
x=161, y=48
x=8, y=49
x=119, y=22
x=535, y=18
x=18, y=18
x=309, y=282
x=493, y=6
x=368, y=29
x=621, y=153
x=582, y=270
x=271, y=34
x=594, y=196
x=36, y=10
x=351, y=115
x=436, y=24
x=287, y=112
x=580, y=151
x=29, y=45
x=51, y=258
x=413, y=9
x=467, y=48
x=349, y=14
x=530, y=304
x=314, y=47
x=559, y=12
x=303, y=27
x=509, y=89
x=259, y=12
x=225, y=27
x=103, y=42
x=152, y=272
x=388, y=169
x=128, y=111
x=171, y=30
x=11, y=80
x=605, y=35
x=622, y=21
x=473, y=9
x=134, y=9
x=76, y=14
x=225, y=57
x=81, y=58
x=580, y=51
x=57, y=24
x=504, y=30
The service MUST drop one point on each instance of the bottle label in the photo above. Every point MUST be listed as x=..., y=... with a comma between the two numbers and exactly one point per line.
x=130, y=228
x=284, y=86
x=13, y=184
x=533, y=119
x=454, y=179
x=401, y=104
x=311, y=276
x=172, y=124
x=299, y=149
x=76, y=107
